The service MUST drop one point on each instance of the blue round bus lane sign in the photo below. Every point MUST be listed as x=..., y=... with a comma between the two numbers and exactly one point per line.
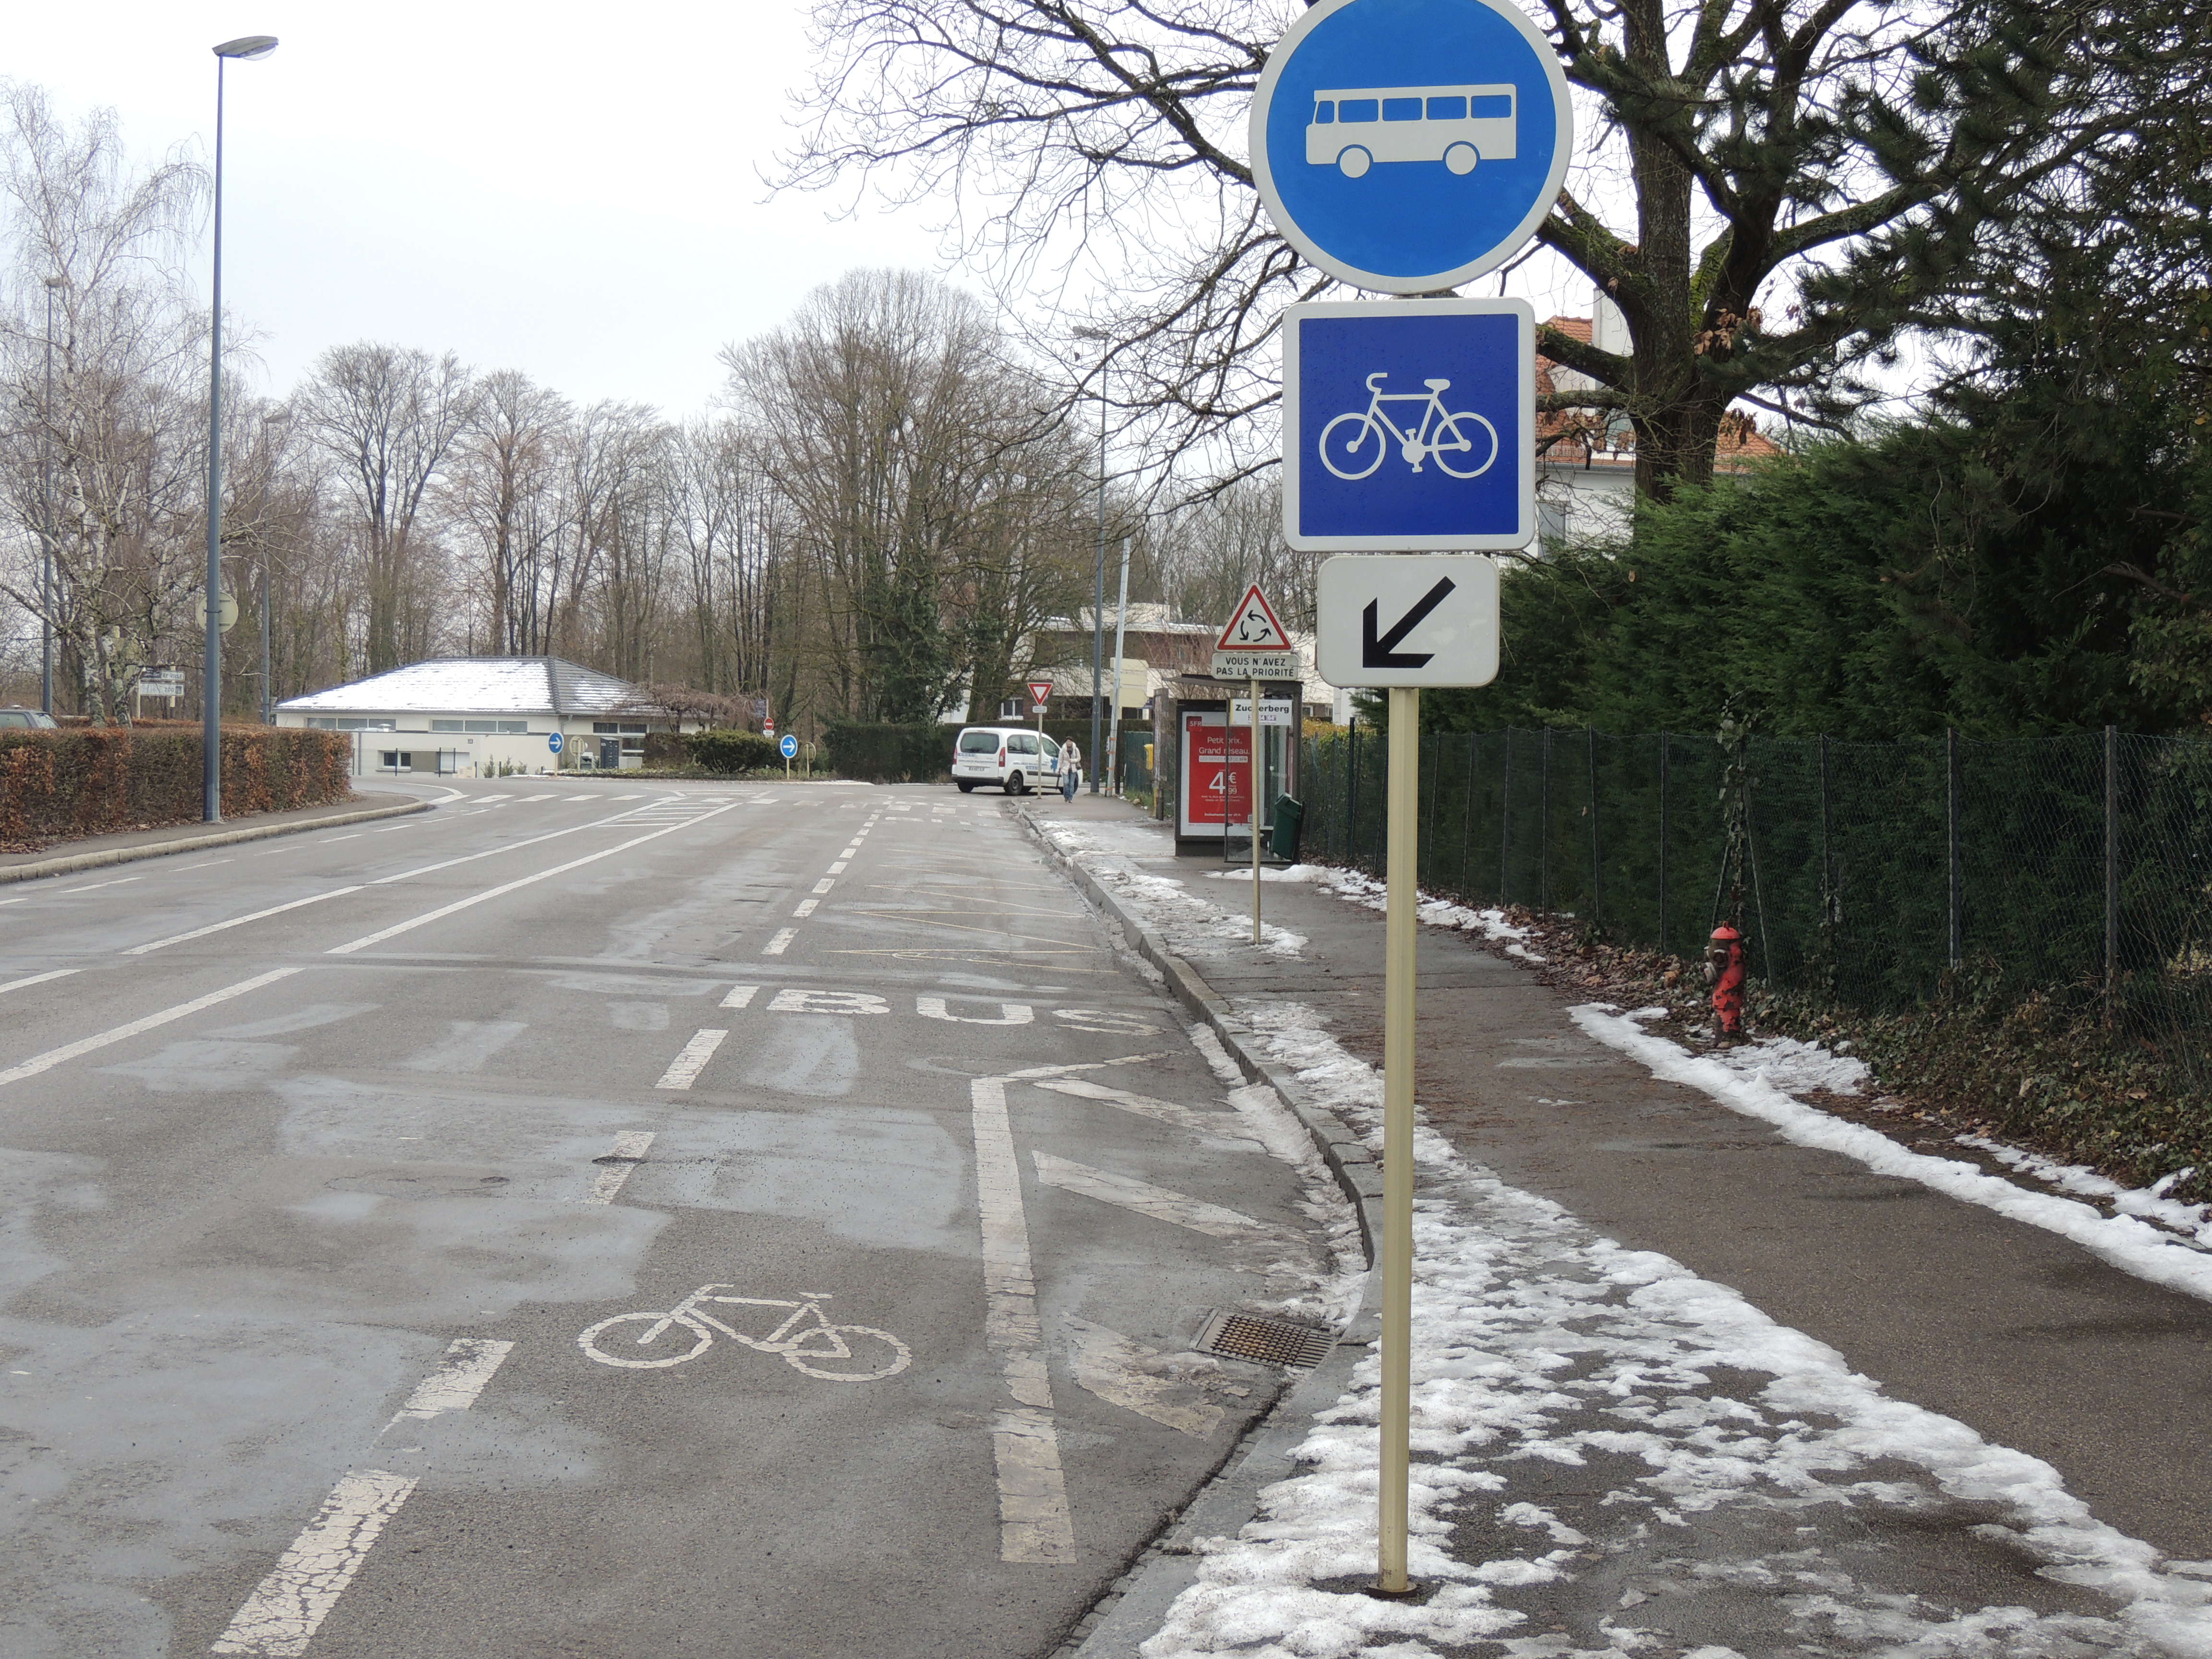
x=1404, y=146
x=553, y=741
x=788, y=745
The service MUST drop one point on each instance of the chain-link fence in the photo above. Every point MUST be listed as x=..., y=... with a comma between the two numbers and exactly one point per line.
x=2071, y=866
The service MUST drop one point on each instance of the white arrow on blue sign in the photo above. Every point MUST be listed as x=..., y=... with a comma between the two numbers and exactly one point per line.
x=1410, y=426
x=553, y=741
x=788, y=745
x=1410, y=145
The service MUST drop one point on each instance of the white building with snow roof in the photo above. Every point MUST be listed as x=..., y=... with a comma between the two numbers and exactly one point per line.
x=486, y=717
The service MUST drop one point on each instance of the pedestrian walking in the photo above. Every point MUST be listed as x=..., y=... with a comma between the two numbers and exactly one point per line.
x=1071, y=762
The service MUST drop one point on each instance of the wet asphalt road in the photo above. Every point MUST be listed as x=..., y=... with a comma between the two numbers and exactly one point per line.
x=319, y=1156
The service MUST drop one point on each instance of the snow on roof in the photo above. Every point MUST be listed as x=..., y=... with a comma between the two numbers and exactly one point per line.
x=477, y=685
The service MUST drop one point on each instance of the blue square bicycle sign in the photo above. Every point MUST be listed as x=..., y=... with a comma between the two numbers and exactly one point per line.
x=1409, y=426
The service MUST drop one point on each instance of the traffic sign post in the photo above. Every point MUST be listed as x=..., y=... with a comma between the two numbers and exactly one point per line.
x=1254, y=645
x=1405, y=147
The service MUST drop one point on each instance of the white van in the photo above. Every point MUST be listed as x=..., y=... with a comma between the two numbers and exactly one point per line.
x=1017, y=758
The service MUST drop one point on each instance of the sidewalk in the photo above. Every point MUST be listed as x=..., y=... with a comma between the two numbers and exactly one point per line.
x=1687, y=1382
x=93, y=852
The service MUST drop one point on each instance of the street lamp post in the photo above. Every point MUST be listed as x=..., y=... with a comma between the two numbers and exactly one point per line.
x=1098, y=599
x=47, y=584
x=248, y=47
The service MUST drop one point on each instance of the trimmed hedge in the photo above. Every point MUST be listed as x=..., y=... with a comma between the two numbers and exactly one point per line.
x=889, y=754
x=728, y=750
x=95, y=780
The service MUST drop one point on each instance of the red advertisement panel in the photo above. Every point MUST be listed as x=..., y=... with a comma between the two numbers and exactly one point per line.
x=1217, y=773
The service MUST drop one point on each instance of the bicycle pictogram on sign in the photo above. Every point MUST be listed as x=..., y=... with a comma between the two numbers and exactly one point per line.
x=1449, y=438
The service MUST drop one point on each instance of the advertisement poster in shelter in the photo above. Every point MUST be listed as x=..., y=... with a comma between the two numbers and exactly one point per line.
x=1217, y=772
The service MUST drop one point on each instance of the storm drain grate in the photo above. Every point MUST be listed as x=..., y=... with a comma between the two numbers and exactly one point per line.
x=1267, y=1341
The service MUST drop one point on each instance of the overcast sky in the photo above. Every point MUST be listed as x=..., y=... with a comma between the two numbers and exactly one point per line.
x=536, y=186
x=530, y=186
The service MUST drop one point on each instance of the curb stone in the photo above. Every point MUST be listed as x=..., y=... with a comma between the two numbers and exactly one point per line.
x=1136, y=1606
x=73, y=861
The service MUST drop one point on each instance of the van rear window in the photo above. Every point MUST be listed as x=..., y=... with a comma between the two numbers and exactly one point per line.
x=978, y=743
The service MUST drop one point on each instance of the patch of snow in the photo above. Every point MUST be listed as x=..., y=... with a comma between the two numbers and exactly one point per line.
x=2149, y=1202
x=1190, y=925
x=2125, y=1241
x=1534, y=1338
x=1356, y=887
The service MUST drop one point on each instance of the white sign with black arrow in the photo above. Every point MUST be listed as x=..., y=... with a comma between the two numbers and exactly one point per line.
x=1408, y=619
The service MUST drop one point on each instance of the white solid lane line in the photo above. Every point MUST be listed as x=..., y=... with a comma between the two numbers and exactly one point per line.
x=1033, y=1522
x=238, y=921
x=38, y=979
x=69, y=1051
x=444, y=910
x=624, y=1156
x=777, y=946
x=290, y=1604
x=683, y=1071
x=340, y=892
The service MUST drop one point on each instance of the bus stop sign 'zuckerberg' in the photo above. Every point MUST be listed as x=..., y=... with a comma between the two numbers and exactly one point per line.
x=1410, y=145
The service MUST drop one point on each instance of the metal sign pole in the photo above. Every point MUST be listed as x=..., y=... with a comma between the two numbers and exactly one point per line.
x=1256, y=937
x=1401, y=869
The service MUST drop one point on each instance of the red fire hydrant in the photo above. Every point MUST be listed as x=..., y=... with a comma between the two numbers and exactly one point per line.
x=1724, y=972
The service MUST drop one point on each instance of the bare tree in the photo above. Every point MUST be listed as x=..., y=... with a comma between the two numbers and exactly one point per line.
x=1774, y=190
x=104, y=473
x=388, y=417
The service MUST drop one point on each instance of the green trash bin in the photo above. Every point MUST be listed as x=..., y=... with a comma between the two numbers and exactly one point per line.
x=1288, y=828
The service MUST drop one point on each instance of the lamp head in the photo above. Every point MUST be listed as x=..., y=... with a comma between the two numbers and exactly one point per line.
x=251, y=47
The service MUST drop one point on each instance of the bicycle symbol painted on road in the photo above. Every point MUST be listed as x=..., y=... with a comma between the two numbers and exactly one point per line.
x=1447, y=438
x=806, y=1341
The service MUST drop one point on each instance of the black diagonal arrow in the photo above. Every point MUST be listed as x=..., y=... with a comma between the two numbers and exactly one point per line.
x=1382, y=653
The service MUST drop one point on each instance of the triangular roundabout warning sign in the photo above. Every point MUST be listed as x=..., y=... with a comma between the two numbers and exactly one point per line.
x=1254, y=643
x=1254, y=627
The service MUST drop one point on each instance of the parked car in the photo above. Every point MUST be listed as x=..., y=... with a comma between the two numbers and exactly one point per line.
x=1017, y=758
x=17, y=718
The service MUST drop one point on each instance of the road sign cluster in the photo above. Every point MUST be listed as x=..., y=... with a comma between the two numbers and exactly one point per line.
x=1405, y=147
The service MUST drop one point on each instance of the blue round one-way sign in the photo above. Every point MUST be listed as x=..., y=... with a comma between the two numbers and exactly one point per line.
x=1409, y=145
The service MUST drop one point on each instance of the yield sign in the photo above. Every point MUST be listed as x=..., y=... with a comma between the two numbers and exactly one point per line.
x=1254, y=627
x=1040, y=689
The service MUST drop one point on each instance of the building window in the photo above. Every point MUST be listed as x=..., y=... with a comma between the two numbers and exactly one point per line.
x=1010, y=710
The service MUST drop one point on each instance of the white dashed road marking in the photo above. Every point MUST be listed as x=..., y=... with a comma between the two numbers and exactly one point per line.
x=685, y=1069
x=624, y=1156
x=777, y=946
x=740, y=996
x=286, y=1609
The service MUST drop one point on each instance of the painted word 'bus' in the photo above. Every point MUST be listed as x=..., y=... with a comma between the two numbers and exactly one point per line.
x=1353, y=130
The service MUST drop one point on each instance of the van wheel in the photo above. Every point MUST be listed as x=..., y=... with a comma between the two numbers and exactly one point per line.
x=965, y=788
x=1014, y=784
